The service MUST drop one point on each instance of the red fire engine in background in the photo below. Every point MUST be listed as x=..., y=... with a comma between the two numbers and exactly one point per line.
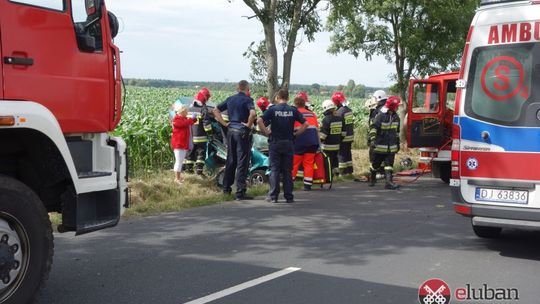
x=429, y=121
x=60, y=95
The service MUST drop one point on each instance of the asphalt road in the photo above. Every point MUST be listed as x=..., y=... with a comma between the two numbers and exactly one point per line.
x=353, y=244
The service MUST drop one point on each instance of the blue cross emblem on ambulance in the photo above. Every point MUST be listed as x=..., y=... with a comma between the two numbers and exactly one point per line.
x=472, y=163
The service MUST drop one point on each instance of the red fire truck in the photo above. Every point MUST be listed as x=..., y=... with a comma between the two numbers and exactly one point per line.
x=60, y=95
x=429, y=121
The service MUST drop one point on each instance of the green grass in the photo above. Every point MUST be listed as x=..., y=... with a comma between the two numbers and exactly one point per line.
x=155, y=192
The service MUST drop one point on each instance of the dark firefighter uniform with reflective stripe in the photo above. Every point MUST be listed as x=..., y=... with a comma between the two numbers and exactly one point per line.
x=345, y=154
x=331, y=135
x=372, y=114
x=197, y=155
x=384, y=137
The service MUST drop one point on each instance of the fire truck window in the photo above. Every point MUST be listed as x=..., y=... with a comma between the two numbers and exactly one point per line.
x=426, y=98
x=500, y=82
x=81, y=20
x=450, y=95
x=57, y=5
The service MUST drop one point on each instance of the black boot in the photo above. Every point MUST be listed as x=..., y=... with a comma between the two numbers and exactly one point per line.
x=390, y=181
x=372, y=178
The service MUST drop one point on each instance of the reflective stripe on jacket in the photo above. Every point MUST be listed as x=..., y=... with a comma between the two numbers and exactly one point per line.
x=348, y=122
x=201, y=127
x=384, y=132
x=331, y=131
x=309, y=137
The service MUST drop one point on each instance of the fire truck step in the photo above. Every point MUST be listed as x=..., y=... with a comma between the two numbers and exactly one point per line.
x=93, y=174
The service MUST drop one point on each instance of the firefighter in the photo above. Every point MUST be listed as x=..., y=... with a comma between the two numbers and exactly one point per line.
x=345, y=154
x=374, y=104
x=263, y=104
x=384, y=138
x=331, y=133
x=197, y=155
x=306, y=145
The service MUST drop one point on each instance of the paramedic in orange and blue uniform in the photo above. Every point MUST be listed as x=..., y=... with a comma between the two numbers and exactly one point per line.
x=281, y=117
x=306, y=144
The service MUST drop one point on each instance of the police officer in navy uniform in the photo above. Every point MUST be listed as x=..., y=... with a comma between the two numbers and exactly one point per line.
x=242, y=115
x=281, y=117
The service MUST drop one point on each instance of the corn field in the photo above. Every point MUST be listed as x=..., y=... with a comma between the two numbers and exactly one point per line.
x=147, y=131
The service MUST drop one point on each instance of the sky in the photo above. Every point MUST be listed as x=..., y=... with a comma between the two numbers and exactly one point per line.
x=203, y=40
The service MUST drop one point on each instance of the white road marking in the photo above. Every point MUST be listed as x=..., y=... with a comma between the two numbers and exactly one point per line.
x=246, y=285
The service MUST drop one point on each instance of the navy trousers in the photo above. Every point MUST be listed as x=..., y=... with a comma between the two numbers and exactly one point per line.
x=238, y=151
x=281, y=164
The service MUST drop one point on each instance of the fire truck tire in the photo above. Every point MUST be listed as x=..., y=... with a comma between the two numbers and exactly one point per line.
x=26, y=243
x=446, y=173
x=487, y=232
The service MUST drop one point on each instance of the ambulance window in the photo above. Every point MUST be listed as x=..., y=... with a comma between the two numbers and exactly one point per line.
x=426, y=98
x=49, y=4
x=499, y=83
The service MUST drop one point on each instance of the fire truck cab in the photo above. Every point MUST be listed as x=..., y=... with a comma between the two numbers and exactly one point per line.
x=60, y=95
x=496, y=136
x=429, y=121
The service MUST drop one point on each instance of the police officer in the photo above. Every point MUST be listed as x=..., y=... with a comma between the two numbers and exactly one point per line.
x=345, y=153
x=197, y=154
x=281, y=117
x=331, y=133
x=241, y=110
x=384, y=138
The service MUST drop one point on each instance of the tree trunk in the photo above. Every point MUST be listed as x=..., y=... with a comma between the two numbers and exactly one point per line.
x=291, y=44
x=271, y=61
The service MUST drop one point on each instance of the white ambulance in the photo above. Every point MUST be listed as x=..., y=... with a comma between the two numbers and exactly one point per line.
x=495, y=164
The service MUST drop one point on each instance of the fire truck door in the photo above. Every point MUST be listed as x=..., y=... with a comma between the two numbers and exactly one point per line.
x=425, y=114
x=43, y=62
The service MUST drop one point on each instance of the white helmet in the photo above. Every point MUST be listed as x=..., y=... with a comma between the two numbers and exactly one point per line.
x=328, y=104
x=379, y=95
x=371, y=103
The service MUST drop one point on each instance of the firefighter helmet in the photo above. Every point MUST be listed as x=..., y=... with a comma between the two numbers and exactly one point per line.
x=263, y=103
x=203, y=95
x=303, y=95
x=371, y=103
x=338, y=98
x=328, y=104
x=392, y=103
x=379, y=95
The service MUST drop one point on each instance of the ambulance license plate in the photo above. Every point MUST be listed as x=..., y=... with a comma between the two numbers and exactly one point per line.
x=502, y=196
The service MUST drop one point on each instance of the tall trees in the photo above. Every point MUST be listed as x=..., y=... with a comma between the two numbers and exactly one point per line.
x=282, y=22
x=418, y=37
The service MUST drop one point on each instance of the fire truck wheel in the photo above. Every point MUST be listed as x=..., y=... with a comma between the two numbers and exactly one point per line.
x=487, y=232
x=26, y=243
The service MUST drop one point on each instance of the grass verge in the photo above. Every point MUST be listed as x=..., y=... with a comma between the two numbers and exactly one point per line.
x=154, y=193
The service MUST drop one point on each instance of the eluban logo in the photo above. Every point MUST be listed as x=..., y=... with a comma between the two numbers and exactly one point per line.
x=434, y=291
x=486, y=293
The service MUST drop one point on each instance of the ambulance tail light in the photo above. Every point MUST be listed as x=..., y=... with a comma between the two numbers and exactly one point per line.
x=456, y=146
